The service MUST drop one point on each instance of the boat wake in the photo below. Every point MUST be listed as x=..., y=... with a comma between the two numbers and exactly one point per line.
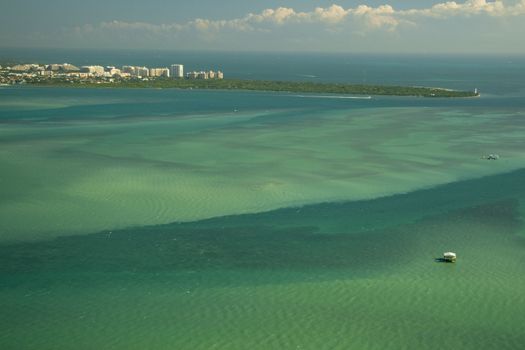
x=336, y=97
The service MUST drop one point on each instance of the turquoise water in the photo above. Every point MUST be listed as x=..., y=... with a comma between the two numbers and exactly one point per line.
x=282, y=280
x=163, y=219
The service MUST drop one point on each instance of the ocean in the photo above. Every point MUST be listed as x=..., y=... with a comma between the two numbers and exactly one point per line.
x=194, y=219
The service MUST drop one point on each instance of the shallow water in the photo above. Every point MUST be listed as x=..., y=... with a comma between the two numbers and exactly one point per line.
x=365, y=276
x=90, y=167
x=133, y=219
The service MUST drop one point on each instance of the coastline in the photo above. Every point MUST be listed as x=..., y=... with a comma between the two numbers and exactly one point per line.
x=270, y=86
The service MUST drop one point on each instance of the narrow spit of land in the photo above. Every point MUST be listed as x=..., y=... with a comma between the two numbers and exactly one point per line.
x=265, y=85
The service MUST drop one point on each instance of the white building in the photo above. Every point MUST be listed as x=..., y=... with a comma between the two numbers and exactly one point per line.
x=205, y=75
x=142, y=71
x=113, y=71
x=177, y=71
x=135, y=71
x=67, y=67
x=93, y=70
x=191, y=75
x=159, y=72
x=202, y=75
x=21, y=68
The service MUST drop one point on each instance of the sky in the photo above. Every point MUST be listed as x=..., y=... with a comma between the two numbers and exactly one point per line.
x=391, y=26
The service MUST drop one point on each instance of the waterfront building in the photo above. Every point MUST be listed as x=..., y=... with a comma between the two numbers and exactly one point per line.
x=159, y=72
x=191, y=75
x=112, y=71
x=81, y=75
x=177, y=71
x=128, y=69
x=24, y=68
x=53, y=67
x=135, y=71
x=205, y=75
x=142, y=71
x=202, y=75
x=93, y=70
x=64, y=67
x=21, y=68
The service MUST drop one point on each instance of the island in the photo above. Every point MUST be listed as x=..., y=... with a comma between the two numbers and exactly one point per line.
x=266, y=85
x=165, y=78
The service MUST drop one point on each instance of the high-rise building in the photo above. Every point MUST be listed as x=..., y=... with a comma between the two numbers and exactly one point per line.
x=159, y=72
x=177, y=71
x=142, y=71
x=135, y=71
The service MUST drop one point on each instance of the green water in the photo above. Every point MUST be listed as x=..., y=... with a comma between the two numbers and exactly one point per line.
x=90, y=167
x=153, y=220
x=276, y=280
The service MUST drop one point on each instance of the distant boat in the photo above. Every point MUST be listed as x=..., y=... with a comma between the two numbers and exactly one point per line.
x=449, y=257
x=491, y=157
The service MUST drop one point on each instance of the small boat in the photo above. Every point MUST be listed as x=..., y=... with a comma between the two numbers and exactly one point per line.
x=491, y=157
x=449, y=257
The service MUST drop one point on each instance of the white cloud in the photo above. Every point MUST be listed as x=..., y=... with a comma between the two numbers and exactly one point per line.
x=468, y=8
x=373, y=18
x=497, y=8
x=362, y=20
x=279, y=16
x=332, y=14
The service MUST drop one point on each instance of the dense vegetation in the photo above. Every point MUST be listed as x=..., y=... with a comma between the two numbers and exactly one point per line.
x=262, y=85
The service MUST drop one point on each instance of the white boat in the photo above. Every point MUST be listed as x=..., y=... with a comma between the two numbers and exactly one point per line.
x=449, y=256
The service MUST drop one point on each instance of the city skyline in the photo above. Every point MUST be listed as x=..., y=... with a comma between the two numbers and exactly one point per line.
x=472, y=26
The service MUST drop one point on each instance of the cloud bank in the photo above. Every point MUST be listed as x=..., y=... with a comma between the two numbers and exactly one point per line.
x=288, y=26
x=381, y=17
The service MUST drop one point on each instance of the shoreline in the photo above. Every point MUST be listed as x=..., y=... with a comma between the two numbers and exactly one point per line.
x=268, y=86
